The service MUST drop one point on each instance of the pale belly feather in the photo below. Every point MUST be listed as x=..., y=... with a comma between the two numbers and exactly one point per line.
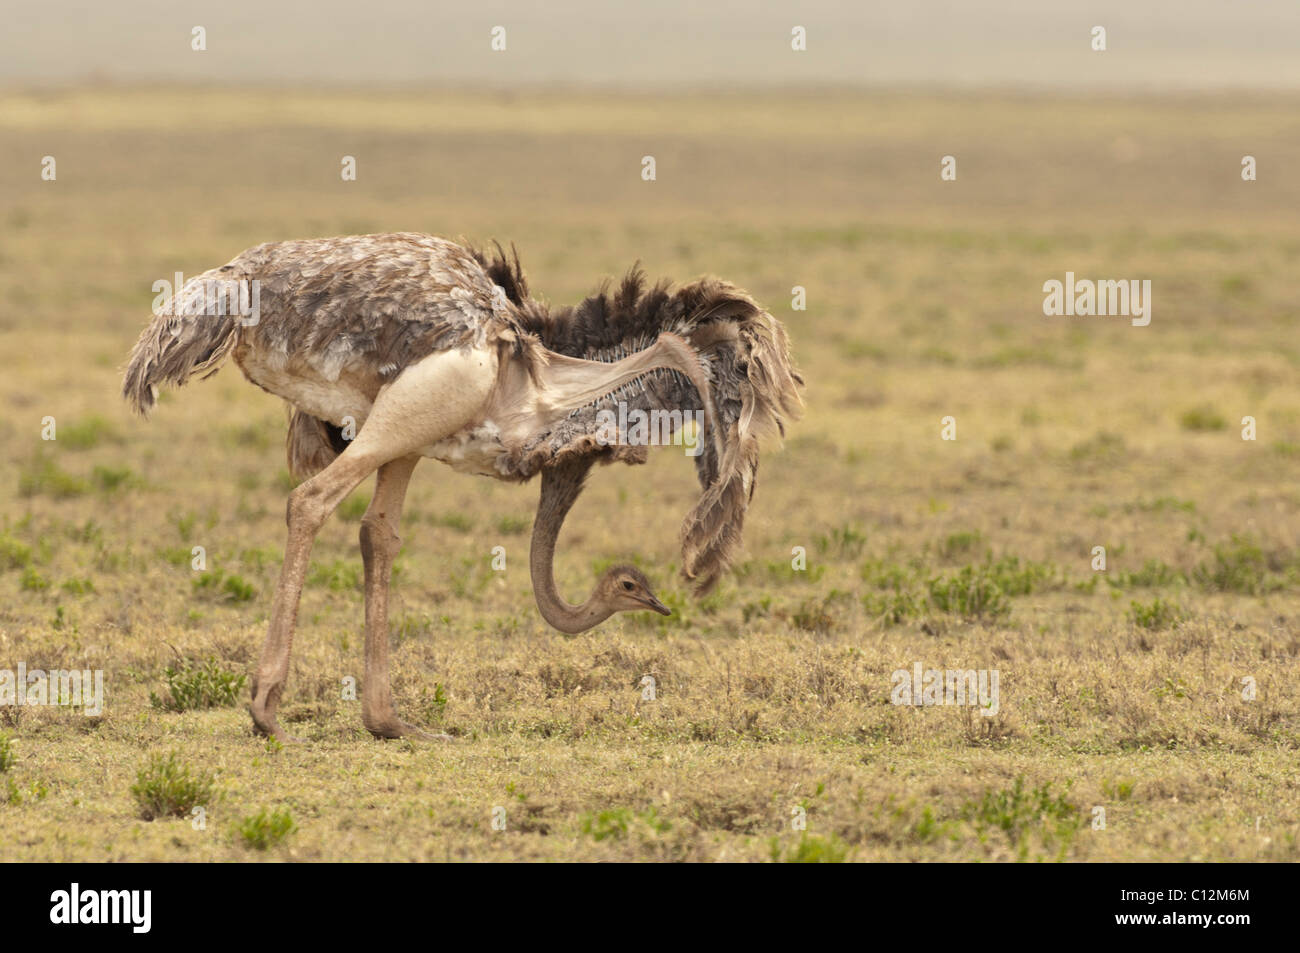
x=335, y=401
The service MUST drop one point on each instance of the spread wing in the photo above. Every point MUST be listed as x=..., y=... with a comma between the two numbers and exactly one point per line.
x=754, y=384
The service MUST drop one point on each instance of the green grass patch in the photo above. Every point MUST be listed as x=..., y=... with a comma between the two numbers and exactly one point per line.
x=971, y=593
x=266, y=829
x=338, y=575
x=453, y=521
x=167, y=787
x=113, y=479
x=1102, y=447
x=43, y=477
x=1154, y=574
x=1154, y=615
x=192, y=685
x=513, y=525
x=87, y=433
x=226, y=588
x=354, y=507
x=844, y=541
x=809, y=849
x=1025, y=815
x=898, y=593
x=961, y=545
x=77, y=586
x=14, y=554
x=1203, y=419
x=615, y=823
x=1240, y=565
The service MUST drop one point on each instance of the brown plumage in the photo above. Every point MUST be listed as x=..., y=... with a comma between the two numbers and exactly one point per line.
x=350, y=328
x=366, y=306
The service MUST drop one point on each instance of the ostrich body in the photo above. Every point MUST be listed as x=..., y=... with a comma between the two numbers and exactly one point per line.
x=426, y=348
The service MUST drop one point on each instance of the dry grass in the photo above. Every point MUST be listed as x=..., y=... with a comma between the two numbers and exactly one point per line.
x=924, y=301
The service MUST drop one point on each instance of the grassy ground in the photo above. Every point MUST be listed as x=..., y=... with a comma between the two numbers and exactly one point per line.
x=1120, y=690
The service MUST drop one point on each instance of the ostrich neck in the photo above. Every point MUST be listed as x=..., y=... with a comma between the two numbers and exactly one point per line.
x=561, y=486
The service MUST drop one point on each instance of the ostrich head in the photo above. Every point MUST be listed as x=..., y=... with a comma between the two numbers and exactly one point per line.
x=619, y=589
x=626, y=589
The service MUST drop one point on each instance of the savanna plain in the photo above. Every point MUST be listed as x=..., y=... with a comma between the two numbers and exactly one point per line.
x=1163, y=689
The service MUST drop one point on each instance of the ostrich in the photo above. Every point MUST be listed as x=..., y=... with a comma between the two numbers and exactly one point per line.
x=432, y=349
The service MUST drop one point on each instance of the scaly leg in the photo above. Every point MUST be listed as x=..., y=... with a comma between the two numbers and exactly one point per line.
x=380, y=543
x=309, y=506
x=431, y=400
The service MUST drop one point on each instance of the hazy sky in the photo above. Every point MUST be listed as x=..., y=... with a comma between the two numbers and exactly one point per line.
x=1163, y=44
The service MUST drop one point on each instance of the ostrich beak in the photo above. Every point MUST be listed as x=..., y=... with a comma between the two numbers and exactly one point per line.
x=655, y=605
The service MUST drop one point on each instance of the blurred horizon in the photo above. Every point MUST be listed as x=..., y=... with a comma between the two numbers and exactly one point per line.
x=1159, y=46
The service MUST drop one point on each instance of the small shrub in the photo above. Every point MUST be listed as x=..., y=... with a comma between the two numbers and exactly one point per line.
x=7, y=756
x=810, y=849
x=513, y=525
x=33, y=581
x=1020, y=813
x=13, y=554
x=165, y=786
x=176, y=555
x=86, y=434
x=615, y=823
x=191, y=687
x=1241, y=566
x=230, y=588
x=111, y=479
x=1158, y=615
x=1020, y=579
x=1104, y=447
x=1202, y=419
x=42, y=476
x=259, y=559
x=77, y=587
x=435, y=705
x=1119, y=790
x=1154, y=574
x=971, y=593
x=339, y=575
x=760, y=609
x=847, y=541
x=604, y=825
x=1171, y=688
x=266, y=829
x=883, y=575
x=812, y=616
x=893, y=608
x=961, y=544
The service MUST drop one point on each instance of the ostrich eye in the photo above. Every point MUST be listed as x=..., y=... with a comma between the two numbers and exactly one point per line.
x=628, y=585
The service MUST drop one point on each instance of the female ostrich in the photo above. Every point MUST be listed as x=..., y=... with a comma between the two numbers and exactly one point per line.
x=430, y=349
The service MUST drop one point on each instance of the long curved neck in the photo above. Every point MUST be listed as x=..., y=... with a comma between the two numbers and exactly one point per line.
x=561, y=485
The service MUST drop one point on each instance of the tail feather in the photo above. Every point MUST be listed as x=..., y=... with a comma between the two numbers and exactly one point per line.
x=756, y=389
x=181, y=342
x=712, y=531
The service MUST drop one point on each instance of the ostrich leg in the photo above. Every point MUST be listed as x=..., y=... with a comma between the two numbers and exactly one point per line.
x=310, y=504
x=380, y=543
x=438, y=397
